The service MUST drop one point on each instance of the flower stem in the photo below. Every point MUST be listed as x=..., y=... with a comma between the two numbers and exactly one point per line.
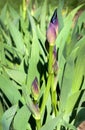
x=50, y=74
x=50, y=63
x=38, y=124
x=53, y=96
x=24, y=8
x=46, y=94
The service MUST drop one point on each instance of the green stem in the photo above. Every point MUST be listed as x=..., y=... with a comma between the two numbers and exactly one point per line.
x=38, y=124
x=24, y=8
x=53, y=96
x=46, y=94
x=50, y=70
x=50, y=63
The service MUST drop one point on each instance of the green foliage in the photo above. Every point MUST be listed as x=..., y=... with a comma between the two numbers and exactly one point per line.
x=23, y=57
x=8, y=117
x=21, y=117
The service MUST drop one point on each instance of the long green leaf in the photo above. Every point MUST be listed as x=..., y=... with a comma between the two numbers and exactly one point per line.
x=18, y=76
x=50, y=125
x=3, y=14
x=33, y=61
x=8, y=117
x=17, y=37
x=21, y=118
x=13, y=13
x=79, y=71
x=63, y=35
x=43, y=16
x=66, y=85
x=9, y=90
x=71, y=102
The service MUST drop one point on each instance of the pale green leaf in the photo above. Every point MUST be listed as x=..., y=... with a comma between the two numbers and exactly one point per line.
x=8, y=117
x=66, y=84
x=21, y=118
x=43, y=16
x=79, y=70
x=17, y=75
x=50, y=125
x=63, y=35
x=59, y=12
x=17, y=37
x=33, y=61
x=13, y=13
x=3, y=14
x=9, y=90
x=71, y=102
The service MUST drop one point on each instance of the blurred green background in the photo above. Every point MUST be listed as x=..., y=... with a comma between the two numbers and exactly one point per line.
x=14, y=3
x=70, y=4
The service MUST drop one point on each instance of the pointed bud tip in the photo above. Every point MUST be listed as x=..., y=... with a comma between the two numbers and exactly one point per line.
x=54, y=17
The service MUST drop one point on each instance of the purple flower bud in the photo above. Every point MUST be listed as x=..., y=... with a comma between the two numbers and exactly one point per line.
x=35, y=89
x=52, y=30
x=51, y=34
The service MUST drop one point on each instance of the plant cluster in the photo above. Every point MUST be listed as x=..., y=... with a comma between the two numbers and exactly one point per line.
x=42, y=72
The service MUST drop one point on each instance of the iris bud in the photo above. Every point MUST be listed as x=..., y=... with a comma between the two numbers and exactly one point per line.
x=35, y=89
x=52, y=30
x=51, y=34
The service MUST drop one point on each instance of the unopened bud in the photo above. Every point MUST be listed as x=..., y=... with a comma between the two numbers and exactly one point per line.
x=35, y=89
x=51, y=34
x=52, y=30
